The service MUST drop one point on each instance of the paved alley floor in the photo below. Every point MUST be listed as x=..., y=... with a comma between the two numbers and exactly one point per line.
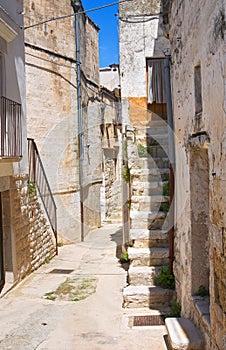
x=75, y=303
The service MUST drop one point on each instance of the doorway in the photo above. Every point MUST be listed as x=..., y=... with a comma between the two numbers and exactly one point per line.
x=199, y=184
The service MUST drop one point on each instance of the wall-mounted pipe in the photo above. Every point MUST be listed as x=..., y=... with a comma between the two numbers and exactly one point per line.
x=76, y=7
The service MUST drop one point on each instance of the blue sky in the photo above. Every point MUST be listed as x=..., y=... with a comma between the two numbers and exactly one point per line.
x=108, y=34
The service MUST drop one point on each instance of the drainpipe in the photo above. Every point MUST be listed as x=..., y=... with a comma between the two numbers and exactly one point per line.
x=76, y=7
x=172, y=159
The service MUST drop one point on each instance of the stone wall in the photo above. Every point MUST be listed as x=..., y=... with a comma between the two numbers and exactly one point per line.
x=111, y=144
x=198, y=78
x=33, y=242
x=91, y=42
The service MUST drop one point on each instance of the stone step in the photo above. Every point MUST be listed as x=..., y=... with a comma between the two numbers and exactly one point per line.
x=146, y=296
x=154, y=122
x=110, y=220
x=157, y=128
x=155, y=151
x=155, y=256
x=149, y=220
x=149, y=238
x=147, y=188
x=116, y=215
x=148, y=203
x=149, y=139
x=150, y=162
x=158, y=151
x=182, y=334
x=149, y=175
x=142, y=275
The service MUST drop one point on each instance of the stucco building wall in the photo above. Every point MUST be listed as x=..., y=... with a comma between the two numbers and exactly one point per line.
x=141, y=37
x=198, y=76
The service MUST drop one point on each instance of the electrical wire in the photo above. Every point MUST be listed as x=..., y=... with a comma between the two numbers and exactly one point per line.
x=142, y=18
x=137, y=21
x=74, y=14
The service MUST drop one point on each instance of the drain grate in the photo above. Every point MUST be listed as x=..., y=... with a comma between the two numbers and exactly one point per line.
x=148, y=320
x=63, y=271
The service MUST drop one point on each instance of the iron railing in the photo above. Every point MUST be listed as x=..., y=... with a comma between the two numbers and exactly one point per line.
x=11, y=129
x=38, y=181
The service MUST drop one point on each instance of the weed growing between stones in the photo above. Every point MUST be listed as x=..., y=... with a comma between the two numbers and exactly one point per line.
x=202, y=291
x=142, y=151
x=31, y=187
x=165, y=279
x=126, y=174
x=73, y=289
x=124, y=257
x=175, y=309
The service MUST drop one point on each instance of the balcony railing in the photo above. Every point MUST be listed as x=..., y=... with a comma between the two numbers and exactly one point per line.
x=11, y=130
x=38, y=179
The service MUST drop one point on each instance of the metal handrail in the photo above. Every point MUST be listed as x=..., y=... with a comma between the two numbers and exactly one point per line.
x=11, y=129
x=38, y=179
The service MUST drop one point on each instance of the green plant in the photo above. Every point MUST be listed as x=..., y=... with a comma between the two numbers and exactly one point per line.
x=128, y=202
x=175, y=309
x=47, y=259
x=124, y=257
x=124, y=146
x=165, y=207
x=142, y=151
x=50, y=296
x=165, y=278
x=73, y=289
x=60, y=244
x=126, y=174
x=202, y=291
x=31, y=187
x=166, y=189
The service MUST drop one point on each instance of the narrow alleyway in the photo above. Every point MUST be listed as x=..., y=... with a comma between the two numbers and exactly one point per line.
x=74, y=302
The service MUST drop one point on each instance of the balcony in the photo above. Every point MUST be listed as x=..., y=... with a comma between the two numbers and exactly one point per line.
x=11, y=131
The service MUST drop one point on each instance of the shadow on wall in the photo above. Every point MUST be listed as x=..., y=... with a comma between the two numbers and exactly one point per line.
x=117, y=238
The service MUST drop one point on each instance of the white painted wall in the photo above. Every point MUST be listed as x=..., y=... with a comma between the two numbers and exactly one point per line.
x=14, y=74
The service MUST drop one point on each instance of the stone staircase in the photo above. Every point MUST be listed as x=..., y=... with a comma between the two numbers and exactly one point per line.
x=149, y=221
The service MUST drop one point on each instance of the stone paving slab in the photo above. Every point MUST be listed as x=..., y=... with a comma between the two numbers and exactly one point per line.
x=29, y=321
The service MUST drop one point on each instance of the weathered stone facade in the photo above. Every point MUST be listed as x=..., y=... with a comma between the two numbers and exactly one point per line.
x=52, y=110
x=33, y=238
x=111, y=145
x=197, y=32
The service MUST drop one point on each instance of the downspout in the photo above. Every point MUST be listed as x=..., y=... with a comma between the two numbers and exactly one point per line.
x=171, y=158
x=76, y=7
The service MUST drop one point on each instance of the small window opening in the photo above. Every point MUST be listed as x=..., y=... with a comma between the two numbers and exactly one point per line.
x=198, y=90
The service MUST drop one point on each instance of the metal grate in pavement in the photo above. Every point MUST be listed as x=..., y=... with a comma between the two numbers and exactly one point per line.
x=148, y=320
x=62, y=271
